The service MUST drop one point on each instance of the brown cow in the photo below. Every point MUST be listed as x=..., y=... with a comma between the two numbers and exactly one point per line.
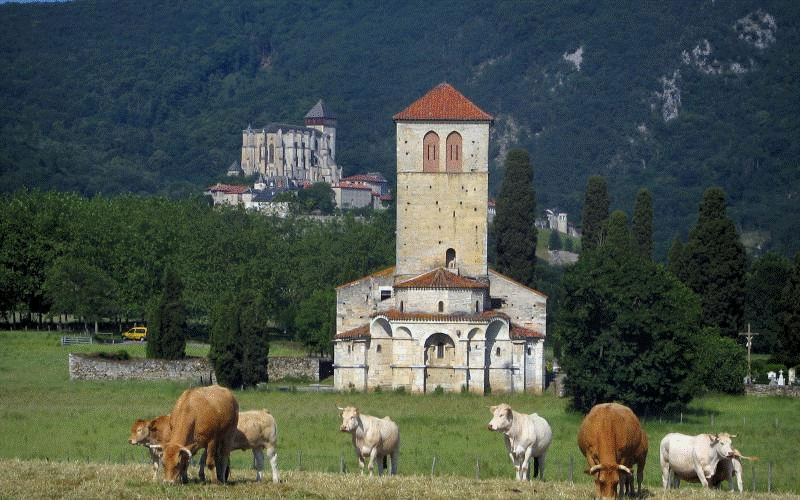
x=202, y=418
x=153, y=434
x=612, y=440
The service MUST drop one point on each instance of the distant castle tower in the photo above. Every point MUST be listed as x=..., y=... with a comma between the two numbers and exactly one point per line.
x=301, y=153
x=440, y=317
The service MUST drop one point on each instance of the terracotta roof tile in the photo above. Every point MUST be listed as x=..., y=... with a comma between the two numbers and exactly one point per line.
x=441, y=278
x=443, y=102
x=484, y=317
x=520, y=332
x=356, y=333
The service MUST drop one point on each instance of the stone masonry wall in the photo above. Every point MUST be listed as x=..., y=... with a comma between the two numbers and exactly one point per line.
x=772, y=390
x=83, y=367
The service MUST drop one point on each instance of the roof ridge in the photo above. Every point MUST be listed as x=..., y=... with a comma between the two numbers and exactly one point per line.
x=443, y=102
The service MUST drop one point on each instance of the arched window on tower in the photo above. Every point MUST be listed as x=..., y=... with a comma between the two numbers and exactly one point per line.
x=430, y=152
x=450, y=258
x=271, y=158
x=454, y=155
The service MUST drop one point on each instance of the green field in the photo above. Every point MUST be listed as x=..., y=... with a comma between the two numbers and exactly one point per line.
x=45, y=416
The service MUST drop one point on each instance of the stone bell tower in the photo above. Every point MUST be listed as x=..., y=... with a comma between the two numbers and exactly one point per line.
x=442, y=185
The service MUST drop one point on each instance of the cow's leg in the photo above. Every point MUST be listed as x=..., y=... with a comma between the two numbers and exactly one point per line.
x=372, y=455
x=211, y=459
x=701, y=475
x=525, y=466
x=258, y=462
x=394, y=461
x=273, y=463
x=361, y=462
x=202, y=472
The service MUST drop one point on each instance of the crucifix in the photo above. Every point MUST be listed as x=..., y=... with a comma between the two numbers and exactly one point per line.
x=749, y=335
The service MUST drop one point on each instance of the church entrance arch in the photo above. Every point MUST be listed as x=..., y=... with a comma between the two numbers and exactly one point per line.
x=493, y=357
x=440, y=355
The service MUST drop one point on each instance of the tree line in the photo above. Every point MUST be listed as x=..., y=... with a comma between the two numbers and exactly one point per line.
x=652, y=335
x=111, y=258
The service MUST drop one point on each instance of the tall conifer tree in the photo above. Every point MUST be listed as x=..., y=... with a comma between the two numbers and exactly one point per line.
x=596, y=205
x=514, y=223
x=166, y=336
x=643, y=223
x=714, y=265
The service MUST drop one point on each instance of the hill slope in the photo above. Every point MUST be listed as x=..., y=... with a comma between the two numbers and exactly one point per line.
x=124, y=96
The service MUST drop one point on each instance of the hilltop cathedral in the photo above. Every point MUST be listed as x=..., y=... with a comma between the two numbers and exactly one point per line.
x=297, y=153
x=440, y=318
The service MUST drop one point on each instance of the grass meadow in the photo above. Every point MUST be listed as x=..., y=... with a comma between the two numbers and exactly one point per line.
x=68, y=439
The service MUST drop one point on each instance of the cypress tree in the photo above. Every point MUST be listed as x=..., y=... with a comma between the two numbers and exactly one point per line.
x=714, y=264
x=675, y=258
x=596, y=206
x=643, y=223
x=554, y=240
x=514, y=222
x=790, y=340
x=166, y=336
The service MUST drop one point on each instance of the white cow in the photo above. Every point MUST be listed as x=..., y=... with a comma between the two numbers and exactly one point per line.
x=525, y=437
x=694, y=458
x=376, y=438
x=255, y=431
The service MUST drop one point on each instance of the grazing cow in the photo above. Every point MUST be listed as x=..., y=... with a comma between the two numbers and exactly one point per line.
x=376, y=438
x=525, y=437
x=153, y=434
x=612, y=440
x=255, y=431
x=202, y=418
x=705, y=458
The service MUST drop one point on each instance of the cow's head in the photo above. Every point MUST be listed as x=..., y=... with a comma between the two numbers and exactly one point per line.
x=606, y=479
x=350, y=419
x=722, y=444
x=139, y=432
x=176, y=460
x=502, y=417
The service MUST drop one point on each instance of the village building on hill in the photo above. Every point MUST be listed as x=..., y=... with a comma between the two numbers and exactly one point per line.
x=440, y=318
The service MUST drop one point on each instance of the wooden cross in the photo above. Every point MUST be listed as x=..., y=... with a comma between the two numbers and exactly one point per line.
x=749, y=335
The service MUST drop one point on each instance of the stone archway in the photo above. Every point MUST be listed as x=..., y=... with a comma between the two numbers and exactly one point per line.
x=440, y=355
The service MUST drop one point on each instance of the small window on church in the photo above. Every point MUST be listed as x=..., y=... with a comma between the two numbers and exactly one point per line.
x=450, y=258
x=477, y=306
x=440, y=351
x=378, y=348
x=529, y=351
x=401, y=306
x=441, y=306
x=497, y=352
x=386, y=294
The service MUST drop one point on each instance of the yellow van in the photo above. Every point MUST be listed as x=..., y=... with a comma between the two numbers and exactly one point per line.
x=136, y=333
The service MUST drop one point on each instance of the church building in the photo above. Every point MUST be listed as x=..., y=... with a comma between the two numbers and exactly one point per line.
x=440, y=318
x=300, y=154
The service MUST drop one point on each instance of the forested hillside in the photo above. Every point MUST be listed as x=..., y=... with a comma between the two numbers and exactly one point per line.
x=151, y=97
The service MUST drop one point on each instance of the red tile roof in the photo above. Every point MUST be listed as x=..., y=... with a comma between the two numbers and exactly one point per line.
x=228, y=188
x=441, y=278
x=360, y=332
x=443, y=102
x=484, y=317
x=520, y=332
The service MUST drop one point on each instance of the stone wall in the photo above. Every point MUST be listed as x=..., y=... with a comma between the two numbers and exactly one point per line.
x=84, y=367
x=313, y=369
x=772, y=390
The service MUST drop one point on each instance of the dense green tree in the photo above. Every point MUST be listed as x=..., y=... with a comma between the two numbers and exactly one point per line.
x=627, y=327
x=720, y=363
x=76, y=287
x=514, y=222
x=166, y=335
x=316, y=319
x=554, y=240
x=317, y=198
x=240, y=339
x=789, y=352
x=642, y=223
x=675, y=258
x=763, y=305
x=714, y=264
x=619, y=239
x=596, y=205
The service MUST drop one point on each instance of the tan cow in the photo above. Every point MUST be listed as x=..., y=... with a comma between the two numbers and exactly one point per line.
x=154, y=435
x=202, y=418
x=255, y=431
x=526, y=437
x=612, y=440
x=376, y=438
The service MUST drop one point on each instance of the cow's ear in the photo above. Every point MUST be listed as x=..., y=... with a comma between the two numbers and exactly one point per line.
x=186, y=452
x=492, y=408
